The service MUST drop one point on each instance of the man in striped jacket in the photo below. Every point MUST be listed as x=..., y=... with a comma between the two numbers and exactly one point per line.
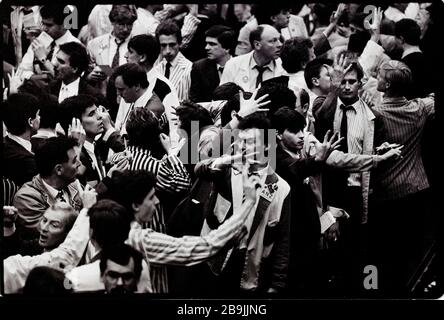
x=401, y=198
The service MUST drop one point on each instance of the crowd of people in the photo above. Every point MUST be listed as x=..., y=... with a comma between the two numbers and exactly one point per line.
x=221, y=150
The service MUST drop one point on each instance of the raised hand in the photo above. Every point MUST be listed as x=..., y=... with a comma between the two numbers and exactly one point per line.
x=239, y=158
x=120, y=166
x=375, y=26
x=87, y=195
x=40, y=51
x=329, y=144
x=14, y=81
x=106, y=118
x=337, y=14
x=252, y=105
x=340, y=68
x=76, y=131
x=9, y=215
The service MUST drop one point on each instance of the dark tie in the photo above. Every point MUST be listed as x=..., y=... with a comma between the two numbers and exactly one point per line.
x=60, y=196
x=167, y=70
x=344, y=128
x=221, y=69
x=51, y=50
x=116, y=58
x=100, y=169
x=259, y=76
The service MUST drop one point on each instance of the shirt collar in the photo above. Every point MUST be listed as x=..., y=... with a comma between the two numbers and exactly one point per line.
x=73, y=86
x=65, y=38
x=143, y=99
x=355, y=105
x=114, y=40
x=44, y=133
x=270, y=65
x=23, y=142
x=89, y=147
x=394, y=100
x=409, y=51
x=53, y=192
x=174, y=62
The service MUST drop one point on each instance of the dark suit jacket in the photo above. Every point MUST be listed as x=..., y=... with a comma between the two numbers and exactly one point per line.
x=421, y=74
x=84, y=88
x=18, y=163
x=204, y=79
x=114, y=143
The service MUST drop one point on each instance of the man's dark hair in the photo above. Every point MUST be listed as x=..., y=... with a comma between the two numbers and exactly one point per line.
x=54, y=11
x=142, y=128
x=313, y=70
x=287, y=118
x=279, y=96
x=232, y=104
x=78, y=56
x=145, y=44
x=188, y=112
x=17, y=110
x=132, y=74
x=110, y=223
x=121, y=254
x=256, y=120
x=356, y=66
x=49, y=111
x=45, y=281
x=130, y=187
x=123, y=13
x=74, y=107
x=409, y=30
x=35, y=87
x=225, y=35
x=226, y=91
x=52, y=152
x=295, y=54
x=169, y=28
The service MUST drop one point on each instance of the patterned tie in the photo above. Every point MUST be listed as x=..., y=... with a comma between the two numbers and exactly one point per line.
x=60, y=196
x=116, y=58
x=51, y=50
x=259, y=76
x=167, y=70
x=344, y=128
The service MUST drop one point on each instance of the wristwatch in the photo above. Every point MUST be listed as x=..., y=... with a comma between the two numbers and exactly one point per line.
x=238, y=117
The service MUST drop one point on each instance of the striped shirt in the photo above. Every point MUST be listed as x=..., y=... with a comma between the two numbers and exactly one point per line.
x=9, y=191
x=180, y=74
x=355, y=134
x=159, y=248
x=404, y=121
x=170, y=172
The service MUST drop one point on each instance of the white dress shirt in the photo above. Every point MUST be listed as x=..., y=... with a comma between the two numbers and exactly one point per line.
x=69, y=90
x=90, y=149
x=53, y=192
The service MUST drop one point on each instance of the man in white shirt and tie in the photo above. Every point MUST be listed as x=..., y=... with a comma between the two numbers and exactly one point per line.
x=37, y=62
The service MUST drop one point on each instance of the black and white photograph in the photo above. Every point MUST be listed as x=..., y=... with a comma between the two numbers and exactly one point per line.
x=273, y=150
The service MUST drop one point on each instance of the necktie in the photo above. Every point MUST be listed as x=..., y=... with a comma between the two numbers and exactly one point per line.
x=51, y=51
x=60, y=196
x=221, y=69
x=167, y=70
x=344, y=128
x=100, y=169
x=116, y=58
x=259, y=76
